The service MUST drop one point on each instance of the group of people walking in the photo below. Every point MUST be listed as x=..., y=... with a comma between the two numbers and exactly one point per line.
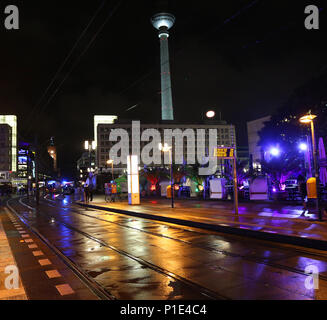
x=110, y=192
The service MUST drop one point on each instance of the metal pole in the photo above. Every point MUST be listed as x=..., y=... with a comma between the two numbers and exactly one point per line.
x=235, y=186
x=90, y=156
x=112, y=170
x=171, y=179
x=315, y=168
x=37, y=191
x=308, y=157
x=28, y=172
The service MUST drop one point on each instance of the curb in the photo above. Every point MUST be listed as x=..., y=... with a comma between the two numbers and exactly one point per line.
x=303, y=242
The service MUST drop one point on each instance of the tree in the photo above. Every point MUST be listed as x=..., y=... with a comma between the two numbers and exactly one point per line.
x=285, y=131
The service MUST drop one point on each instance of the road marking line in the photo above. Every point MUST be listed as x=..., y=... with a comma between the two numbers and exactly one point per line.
x=25, y=235
x=53, y=274
x=64, y=289
x=44, y=262
x=23, y=231
x=37, y=253
x=28, y=240
x=32, y=246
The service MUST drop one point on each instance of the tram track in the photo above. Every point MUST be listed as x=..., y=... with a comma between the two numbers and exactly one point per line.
x=97, y=288
x=227, y=253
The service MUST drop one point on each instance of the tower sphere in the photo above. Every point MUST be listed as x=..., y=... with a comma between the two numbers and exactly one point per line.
x=163, y=20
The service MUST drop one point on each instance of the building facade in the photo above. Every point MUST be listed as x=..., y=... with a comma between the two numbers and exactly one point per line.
x=5, y=148
x=225, y=137
x=11, y=121
x=255, y=152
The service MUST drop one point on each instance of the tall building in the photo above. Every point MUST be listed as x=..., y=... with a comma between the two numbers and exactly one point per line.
x=225, y=137
x=23, y=160
x=163, y=22
x=5, y=147
x=85, y=162
x=11, y=120
x=255, y=151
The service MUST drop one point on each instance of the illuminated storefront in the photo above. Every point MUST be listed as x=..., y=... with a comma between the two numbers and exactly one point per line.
x=11, y=120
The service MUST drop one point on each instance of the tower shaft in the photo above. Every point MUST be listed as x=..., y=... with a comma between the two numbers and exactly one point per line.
x=166, y=95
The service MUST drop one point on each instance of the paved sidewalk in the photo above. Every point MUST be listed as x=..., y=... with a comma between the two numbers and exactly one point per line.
x=266, y=220
x=7, y=259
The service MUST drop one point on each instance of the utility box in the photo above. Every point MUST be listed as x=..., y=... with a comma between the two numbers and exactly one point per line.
x=312, y=188
x=259, y=189
x=218, y=189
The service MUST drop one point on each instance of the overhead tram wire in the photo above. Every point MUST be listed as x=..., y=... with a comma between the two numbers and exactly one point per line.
x=79, y=58
x=65, y=61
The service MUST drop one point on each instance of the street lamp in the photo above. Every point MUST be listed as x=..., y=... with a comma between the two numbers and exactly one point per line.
x=309, y=119
x=112, y=168
x=275, y=152
x=166, y=148
x=210, y=114
x=303, y=146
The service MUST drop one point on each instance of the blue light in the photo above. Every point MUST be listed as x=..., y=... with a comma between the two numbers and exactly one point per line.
x=303, y=146
x=275, y=152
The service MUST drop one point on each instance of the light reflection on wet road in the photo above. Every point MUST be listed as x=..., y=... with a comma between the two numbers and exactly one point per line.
x=133, y=257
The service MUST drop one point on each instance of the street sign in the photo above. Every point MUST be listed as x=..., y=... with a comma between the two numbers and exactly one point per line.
x=224, y=152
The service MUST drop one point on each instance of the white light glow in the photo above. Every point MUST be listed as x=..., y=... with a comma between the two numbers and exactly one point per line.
x=303, y=146
x=210, y=114
x=163, y=20
x=133, y=180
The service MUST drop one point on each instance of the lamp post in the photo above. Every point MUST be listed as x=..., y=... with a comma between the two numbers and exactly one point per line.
x=112, y=168
x=303, y=146
x=166, y=148
x=309, y=119
x=89, y=145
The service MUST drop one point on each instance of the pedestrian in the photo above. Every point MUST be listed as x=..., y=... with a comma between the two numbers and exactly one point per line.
x=91, y=182
x=107, y=191
x=113, y=192
x=86, y=193
x=303, y=192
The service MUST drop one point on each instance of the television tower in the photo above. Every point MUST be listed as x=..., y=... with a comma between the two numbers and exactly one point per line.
x=163, y=22
x=52, y=150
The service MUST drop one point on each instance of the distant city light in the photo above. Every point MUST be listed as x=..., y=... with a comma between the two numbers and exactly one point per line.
x=275, y=152
x=303, y=146
x=210, y=114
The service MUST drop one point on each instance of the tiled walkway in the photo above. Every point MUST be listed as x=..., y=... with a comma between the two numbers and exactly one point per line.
x=6, y=260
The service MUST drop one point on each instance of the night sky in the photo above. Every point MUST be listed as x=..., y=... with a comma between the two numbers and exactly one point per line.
x=244, y=58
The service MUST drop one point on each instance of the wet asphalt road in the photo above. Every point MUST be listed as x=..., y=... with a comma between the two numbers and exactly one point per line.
x=136, y=258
